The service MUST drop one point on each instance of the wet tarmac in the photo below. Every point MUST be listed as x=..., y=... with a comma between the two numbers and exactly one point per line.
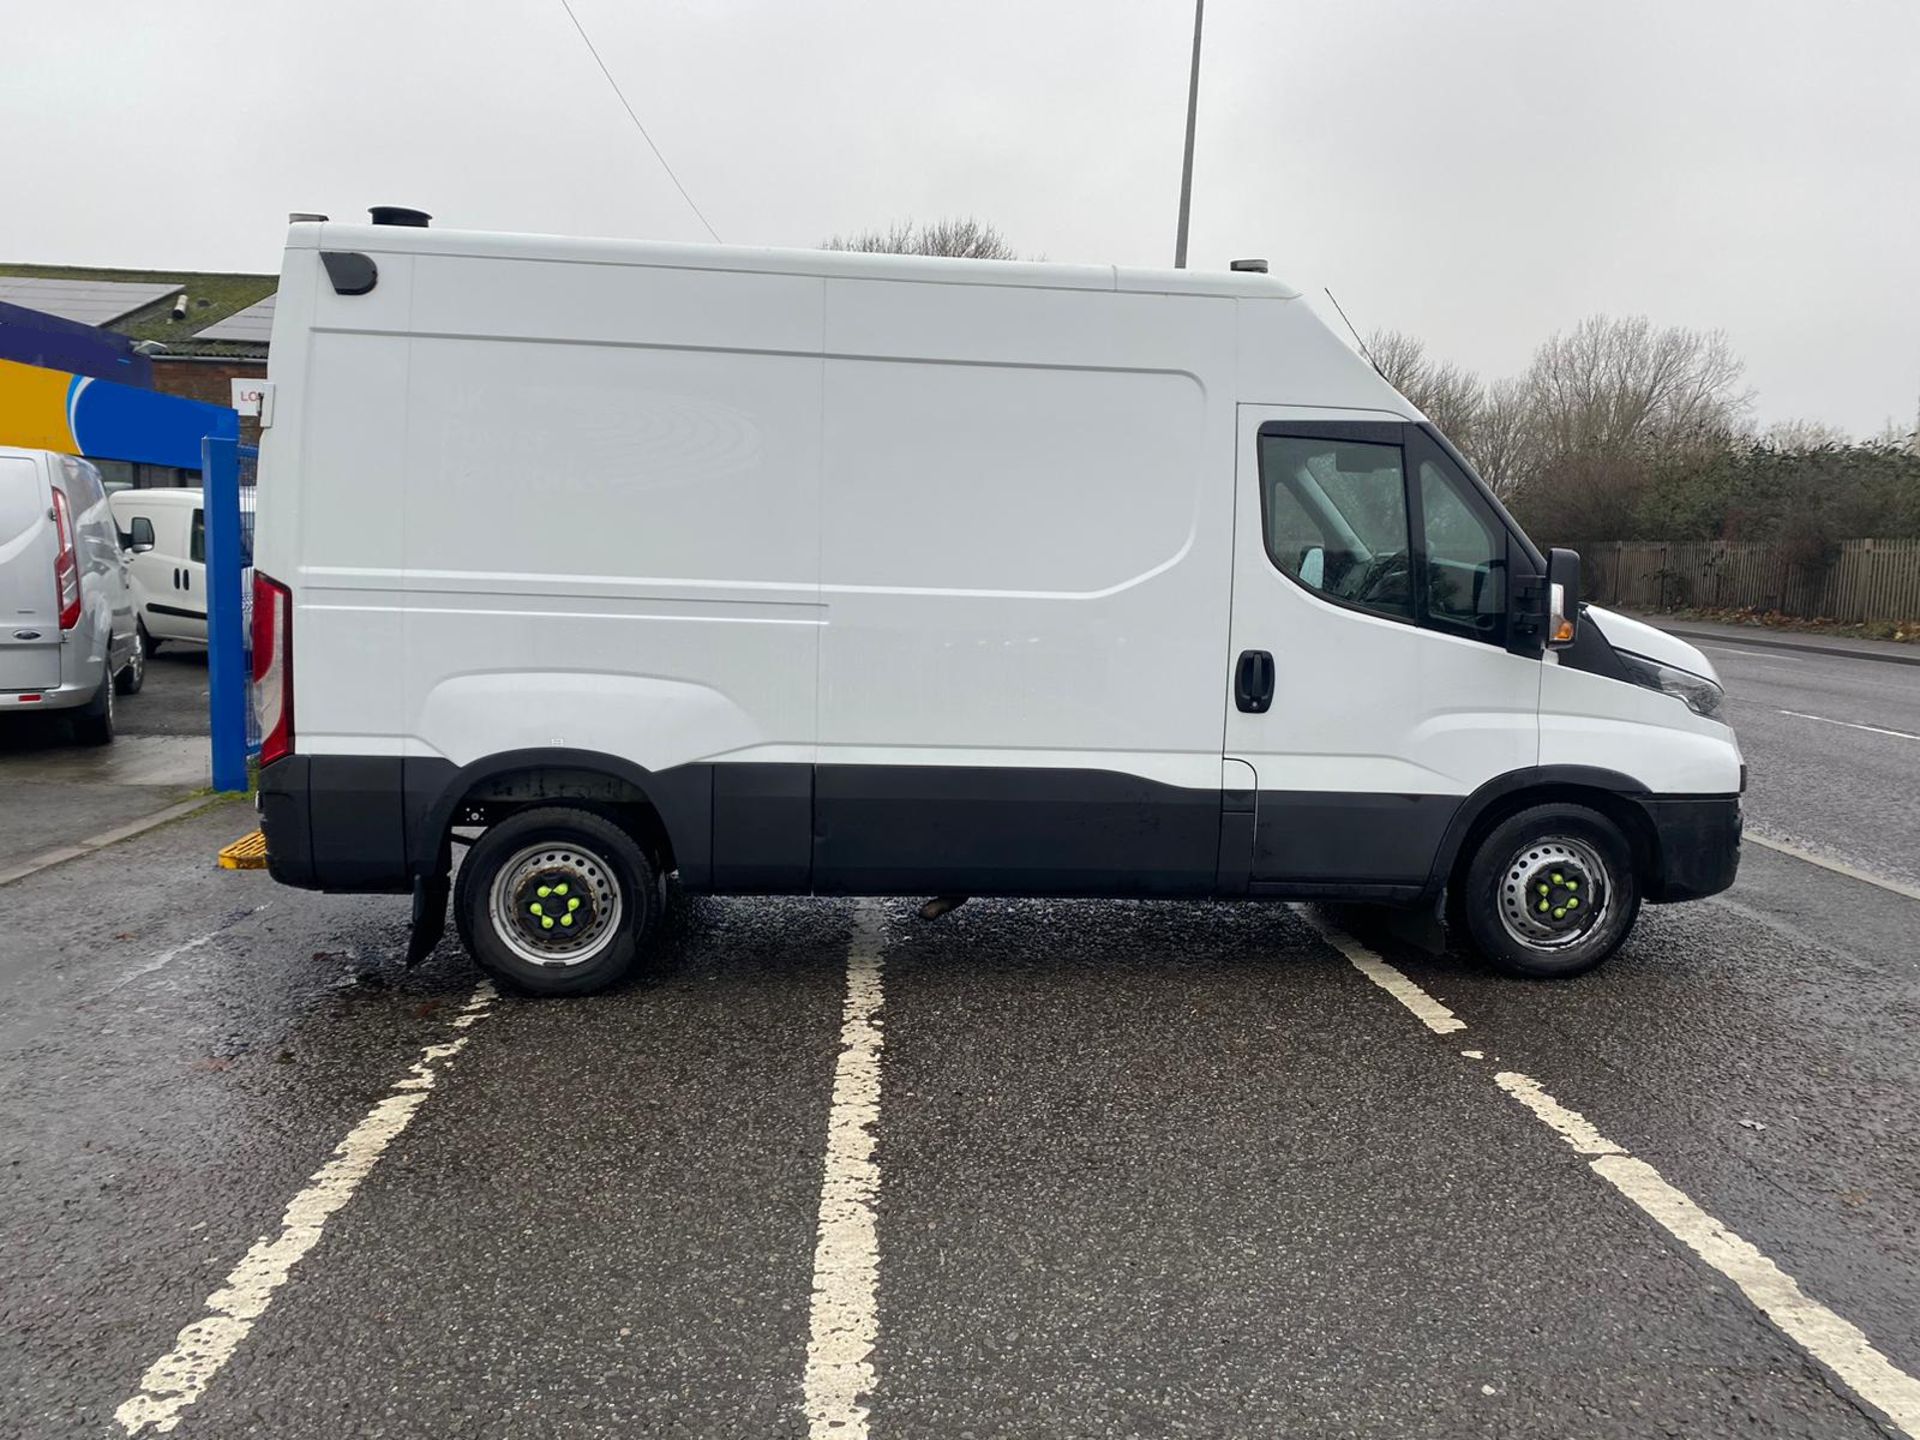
x=1143, y=1169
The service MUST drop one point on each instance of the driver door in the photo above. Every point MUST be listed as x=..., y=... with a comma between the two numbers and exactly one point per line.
x=1369, y=688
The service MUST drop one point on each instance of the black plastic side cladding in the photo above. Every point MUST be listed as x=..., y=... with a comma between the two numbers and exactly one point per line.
x=351, y=272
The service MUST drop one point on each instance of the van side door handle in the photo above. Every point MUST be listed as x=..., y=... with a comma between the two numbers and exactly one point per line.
x=1253, y=682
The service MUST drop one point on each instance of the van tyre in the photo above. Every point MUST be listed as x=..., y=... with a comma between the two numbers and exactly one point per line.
x=94, y=725
x=134, y=673
x=147, y=642
x=1551, y=892
x=555, y=901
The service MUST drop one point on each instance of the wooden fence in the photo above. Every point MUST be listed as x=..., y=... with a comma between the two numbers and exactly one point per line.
x=1868, y=579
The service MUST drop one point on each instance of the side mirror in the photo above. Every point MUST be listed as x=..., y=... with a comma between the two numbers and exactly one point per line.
x=1563, y=598
x=1313, y=567
x=137, y=547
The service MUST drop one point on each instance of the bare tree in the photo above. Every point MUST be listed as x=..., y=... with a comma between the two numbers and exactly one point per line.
x=1399, y=357
x=1613, y=401
x=965, y=238
x=1619, y=387
x=1447, y=394
x=1504, y=438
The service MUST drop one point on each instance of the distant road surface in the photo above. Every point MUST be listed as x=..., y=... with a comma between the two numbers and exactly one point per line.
x=1833, y=750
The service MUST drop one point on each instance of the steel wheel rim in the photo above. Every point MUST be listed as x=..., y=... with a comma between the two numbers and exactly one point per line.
x=516, y=890
x=1536, y=875
x=139, y=665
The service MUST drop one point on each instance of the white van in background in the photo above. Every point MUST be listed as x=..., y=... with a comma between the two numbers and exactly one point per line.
x=165, y=533
x=809, y=572
x=68, y=638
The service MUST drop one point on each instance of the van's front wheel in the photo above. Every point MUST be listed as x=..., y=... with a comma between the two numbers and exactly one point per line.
x=555, y=901
x=1551, y=892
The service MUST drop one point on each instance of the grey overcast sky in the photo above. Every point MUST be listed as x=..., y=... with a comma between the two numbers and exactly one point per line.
x=1477, y=172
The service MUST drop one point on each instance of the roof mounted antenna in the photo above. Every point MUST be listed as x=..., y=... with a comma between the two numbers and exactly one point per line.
x=1368, y=354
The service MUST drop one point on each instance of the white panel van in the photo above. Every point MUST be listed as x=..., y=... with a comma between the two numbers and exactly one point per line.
x=803, y=572
x=166, y=539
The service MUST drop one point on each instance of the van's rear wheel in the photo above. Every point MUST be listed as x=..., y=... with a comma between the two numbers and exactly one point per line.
x=94, y=724
x=134, y=673
x=1551, y=892
x=555, y=901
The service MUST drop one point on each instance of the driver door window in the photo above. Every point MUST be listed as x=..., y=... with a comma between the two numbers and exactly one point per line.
x=1466, y=558
x=1335, y=515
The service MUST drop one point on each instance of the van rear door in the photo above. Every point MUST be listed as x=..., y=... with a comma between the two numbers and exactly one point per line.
x=29, y=622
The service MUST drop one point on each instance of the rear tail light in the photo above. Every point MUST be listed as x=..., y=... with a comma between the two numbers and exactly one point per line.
x=66, y=564
x=273, y=667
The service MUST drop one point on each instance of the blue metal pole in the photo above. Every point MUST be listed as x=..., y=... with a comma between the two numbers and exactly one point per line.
x=226, y=646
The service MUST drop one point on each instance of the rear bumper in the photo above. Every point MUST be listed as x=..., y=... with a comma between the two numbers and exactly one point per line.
x=334, y=822
x=1697, y=845
x=62, y=697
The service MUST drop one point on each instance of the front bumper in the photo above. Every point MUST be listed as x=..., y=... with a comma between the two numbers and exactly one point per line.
x=1696, y=846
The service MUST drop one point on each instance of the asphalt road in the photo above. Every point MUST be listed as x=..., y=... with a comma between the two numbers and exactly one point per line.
x=1126, y=1169
x=1833, y=749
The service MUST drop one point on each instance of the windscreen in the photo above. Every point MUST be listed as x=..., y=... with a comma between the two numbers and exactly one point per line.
x=23, y=498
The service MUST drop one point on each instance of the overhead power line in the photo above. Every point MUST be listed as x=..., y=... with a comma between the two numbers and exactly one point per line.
x=622, y=97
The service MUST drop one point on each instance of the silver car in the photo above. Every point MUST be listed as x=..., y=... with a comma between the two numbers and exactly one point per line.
x=68, y=637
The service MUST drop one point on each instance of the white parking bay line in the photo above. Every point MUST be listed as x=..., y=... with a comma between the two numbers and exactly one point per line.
x=1430, y=1012
x=1835, y=1342
x=846, y=1257
x=181, y=1376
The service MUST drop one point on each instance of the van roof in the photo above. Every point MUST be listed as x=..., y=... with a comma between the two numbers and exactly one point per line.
x=922, y=269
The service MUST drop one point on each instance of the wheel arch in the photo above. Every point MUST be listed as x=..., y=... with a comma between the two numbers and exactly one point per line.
x=1615, y=795
x=670, y=810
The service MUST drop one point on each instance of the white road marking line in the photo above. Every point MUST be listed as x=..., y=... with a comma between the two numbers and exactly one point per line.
x=1571, y=1125
x=846, y=1257
x=1830, y=1339
x=1827, y=862
x=179, y=1378
x=1431, y=1013
x=1851, y=725
x=187, y=947
x=1765, y=657
x=1835, y=1342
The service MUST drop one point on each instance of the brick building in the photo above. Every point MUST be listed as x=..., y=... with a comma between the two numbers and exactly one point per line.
x=200, y=331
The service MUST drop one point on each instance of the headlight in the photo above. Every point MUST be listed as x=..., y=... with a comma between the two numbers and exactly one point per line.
x=1700, y=694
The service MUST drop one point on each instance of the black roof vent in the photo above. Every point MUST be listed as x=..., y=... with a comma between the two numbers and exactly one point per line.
x=1251, y=267
x=399, y=215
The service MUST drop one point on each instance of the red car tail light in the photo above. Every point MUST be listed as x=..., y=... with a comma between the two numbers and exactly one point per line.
x=273, y=667
x=66, y=564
